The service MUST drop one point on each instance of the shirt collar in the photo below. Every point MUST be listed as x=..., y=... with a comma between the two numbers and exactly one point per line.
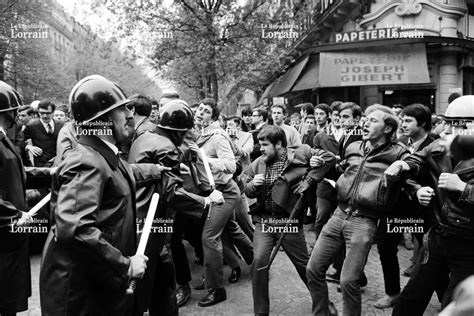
x=46, y=125
x=416, y=145
x=3, y=131
x=111, y=146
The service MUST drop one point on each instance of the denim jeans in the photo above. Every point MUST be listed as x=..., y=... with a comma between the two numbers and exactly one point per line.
x=294, y=245
x=358, y=234
x=325, y=209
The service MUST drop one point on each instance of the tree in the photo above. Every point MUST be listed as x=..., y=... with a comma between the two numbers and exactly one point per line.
x=213, y=42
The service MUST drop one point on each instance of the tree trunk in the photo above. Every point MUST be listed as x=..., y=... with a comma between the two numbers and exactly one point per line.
x=2, y=69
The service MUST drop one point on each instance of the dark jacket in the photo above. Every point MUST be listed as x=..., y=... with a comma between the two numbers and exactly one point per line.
x=462, y=147
x=158, y=148
x=325, y=140
x=408, y=202
x=15, y=280
x=360, y=186
x=144, y=126
x=453, y=210
x=296, y=167
x=15, y=134
x=85, y=269
x=40, y=138
x=353, y=136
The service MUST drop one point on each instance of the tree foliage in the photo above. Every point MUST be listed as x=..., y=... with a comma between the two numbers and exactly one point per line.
x=38, y=71
x=214, y=42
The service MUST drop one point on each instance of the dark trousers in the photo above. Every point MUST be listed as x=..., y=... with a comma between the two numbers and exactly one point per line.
x=190, y=228
x=450, y=261
x=387, y=245
x=157, y=290
x=294, y=245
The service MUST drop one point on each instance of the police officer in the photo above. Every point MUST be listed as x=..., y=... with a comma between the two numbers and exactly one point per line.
x=162, y=147
x=15, y=276
x=88, y=258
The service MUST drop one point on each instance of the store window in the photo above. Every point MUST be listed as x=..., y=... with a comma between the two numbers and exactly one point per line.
x=468, y=81
x=410, y=96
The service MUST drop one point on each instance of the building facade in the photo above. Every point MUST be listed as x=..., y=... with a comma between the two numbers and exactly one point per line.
x=387, y=52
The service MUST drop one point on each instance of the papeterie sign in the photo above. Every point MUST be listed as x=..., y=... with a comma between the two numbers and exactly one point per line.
x=377, y=34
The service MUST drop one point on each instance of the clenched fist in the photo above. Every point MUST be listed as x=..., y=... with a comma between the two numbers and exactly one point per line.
x=424, y=195
x=451, y=182
x=316, y=161
x=138, y=264
x=258, y=180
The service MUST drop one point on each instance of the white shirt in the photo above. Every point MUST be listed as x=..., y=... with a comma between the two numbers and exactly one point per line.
x=3, y=131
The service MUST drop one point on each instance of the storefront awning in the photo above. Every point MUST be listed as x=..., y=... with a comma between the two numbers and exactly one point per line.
x=287, y=81
x=266, y=93
x=401, y=64
x=309, y=79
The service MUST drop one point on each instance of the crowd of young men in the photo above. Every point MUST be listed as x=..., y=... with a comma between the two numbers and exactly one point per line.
x=234, y=187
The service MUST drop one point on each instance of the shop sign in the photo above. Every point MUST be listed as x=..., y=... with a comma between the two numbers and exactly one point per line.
x=376, y=34
x=401, y=64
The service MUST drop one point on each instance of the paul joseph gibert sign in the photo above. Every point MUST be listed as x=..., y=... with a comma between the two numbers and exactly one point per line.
x=400, y=64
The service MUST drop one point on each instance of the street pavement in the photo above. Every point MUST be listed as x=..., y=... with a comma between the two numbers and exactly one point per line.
x=288, y=295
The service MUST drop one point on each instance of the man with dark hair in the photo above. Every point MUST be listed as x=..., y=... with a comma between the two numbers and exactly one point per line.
x=259, y=121
x=43, y=134
x=155, y=112
x=335, y=117
x=220, y=152
x=246, y=124
x=416, y=123
x=350, y=115
x=270, y=179
x=25, y=115
x=143, y=107
x=450, y=195
x=306, y=108
x=361, y=202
